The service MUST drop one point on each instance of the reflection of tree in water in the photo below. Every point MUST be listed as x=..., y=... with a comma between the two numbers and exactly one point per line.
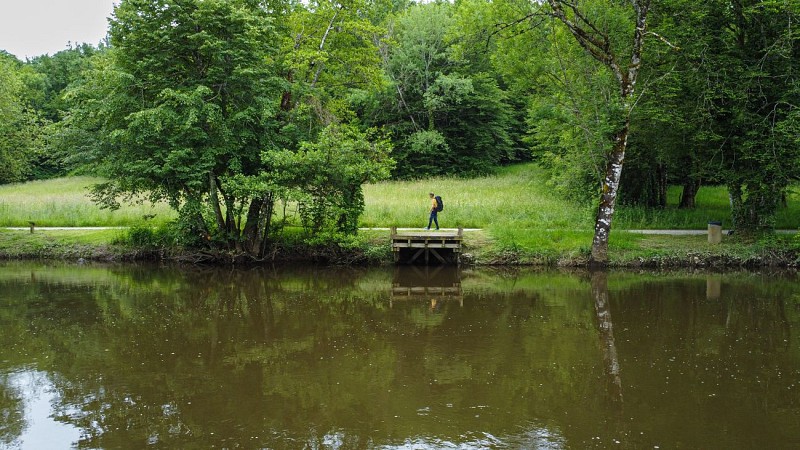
x=154, y=363
x=273, y=359
x=606, y=332
x=12, y=419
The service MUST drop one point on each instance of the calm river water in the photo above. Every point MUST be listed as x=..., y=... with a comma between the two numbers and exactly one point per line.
x=118, y=357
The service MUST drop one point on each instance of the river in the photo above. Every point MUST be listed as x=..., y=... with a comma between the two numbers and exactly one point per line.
x=134, y=356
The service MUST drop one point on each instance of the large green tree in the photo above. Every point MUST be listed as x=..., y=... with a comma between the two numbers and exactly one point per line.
x=183, y=104
x=613, y=35
x=597, y=29
x=195, y=100
x=723, y=108
x=751, y=95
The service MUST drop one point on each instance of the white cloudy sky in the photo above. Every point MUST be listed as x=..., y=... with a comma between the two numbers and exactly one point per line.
x=31, y=28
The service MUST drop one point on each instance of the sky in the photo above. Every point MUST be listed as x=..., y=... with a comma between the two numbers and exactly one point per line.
x=30, y=28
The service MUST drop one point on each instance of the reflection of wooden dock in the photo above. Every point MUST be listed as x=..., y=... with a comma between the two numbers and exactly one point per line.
x=434, y=285
x=443, y=245
x=427, y=293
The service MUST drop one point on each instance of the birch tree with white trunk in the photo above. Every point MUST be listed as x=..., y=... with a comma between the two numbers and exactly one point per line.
x=624, y=63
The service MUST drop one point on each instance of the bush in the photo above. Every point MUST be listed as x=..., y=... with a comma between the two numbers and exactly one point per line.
x=163, y=236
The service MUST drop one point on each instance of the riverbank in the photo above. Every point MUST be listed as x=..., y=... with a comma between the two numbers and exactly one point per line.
x=520, y=221
x=627, y=250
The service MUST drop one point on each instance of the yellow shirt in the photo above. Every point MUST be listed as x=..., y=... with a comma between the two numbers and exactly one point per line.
x=434, y=205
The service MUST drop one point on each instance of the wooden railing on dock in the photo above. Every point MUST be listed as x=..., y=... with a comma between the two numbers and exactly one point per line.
x=443, y=245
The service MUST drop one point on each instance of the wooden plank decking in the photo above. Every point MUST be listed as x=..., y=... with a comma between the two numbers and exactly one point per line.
x=443, y=245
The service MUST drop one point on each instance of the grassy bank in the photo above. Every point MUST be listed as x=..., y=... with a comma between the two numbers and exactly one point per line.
x=521, y=222
x=525, y=222
x=64, y=244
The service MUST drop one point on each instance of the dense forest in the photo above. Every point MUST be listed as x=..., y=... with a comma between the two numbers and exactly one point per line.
x=222, y=108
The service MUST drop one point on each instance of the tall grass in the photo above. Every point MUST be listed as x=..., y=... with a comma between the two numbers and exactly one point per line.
x=520, y=213
x=514, y=198
x=711, y=204
x=516, y=206
x=65, y=202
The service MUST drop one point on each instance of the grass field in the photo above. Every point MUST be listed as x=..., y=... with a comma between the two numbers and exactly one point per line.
x=516, y=209
x=518, y=196
x=64, y=202
x=515, y=197
x=520, y=212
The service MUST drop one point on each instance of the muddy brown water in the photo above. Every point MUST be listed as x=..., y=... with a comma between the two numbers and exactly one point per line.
x=130, y=356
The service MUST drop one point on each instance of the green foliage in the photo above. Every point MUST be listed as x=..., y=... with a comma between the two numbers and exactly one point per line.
x=572, y=104
x=59, y=72
x=169, y=235
x=223, y=108
x=146, y=237
x=426, y=152
x=722, y=103
x=327, y=175
x=20, y=134
x=181, y=103
x=446, y=115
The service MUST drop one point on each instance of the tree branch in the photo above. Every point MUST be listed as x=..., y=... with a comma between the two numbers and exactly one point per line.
x=664, y=40
x=599, y=49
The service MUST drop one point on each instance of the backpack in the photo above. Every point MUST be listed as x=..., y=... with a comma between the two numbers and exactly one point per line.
x=439, y=204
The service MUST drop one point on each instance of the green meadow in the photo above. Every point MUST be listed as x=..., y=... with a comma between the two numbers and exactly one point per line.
x=65, y=202
x=519, y=197
x=519, y=217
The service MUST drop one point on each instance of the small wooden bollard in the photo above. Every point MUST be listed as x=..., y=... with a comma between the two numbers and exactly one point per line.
x=714, y=232
x=33, y=225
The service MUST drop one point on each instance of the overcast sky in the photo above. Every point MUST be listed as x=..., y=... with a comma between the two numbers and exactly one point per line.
x=31, y=28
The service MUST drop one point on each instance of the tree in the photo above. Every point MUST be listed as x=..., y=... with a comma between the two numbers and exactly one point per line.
x=725, y=111
x=20, y=137
x=597, y=39
x=610, y=33
x=327, y=175
x=752, y=97
x=182, y=104
x=194, y=97
x=57, y=74
x=446, y=114
x=59, y=71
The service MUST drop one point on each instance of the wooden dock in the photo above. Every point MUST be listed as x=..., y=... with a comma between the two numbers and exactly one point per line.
x=443, y=245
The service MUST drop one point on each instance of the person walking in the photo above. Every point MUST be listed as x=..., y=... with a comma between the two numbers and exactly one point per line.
x=434, y=212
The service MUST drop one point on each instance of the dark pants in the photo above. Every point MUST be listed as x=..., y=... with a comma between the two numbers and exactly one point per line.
x=434, y=219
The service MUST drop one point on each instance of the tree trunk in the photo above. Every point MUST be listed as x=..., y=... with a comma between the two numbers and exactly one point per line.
x=599, y=46
x=690, y=188
x=256, y=227
x=214, y=197
x=270, y=207
x=608, y=197
x=250, y=235
x=661, y=199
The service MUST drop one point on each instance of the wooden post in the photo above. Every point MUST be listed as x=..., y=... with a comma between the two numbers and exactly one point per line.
x=714, y=232
x=33, y=225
